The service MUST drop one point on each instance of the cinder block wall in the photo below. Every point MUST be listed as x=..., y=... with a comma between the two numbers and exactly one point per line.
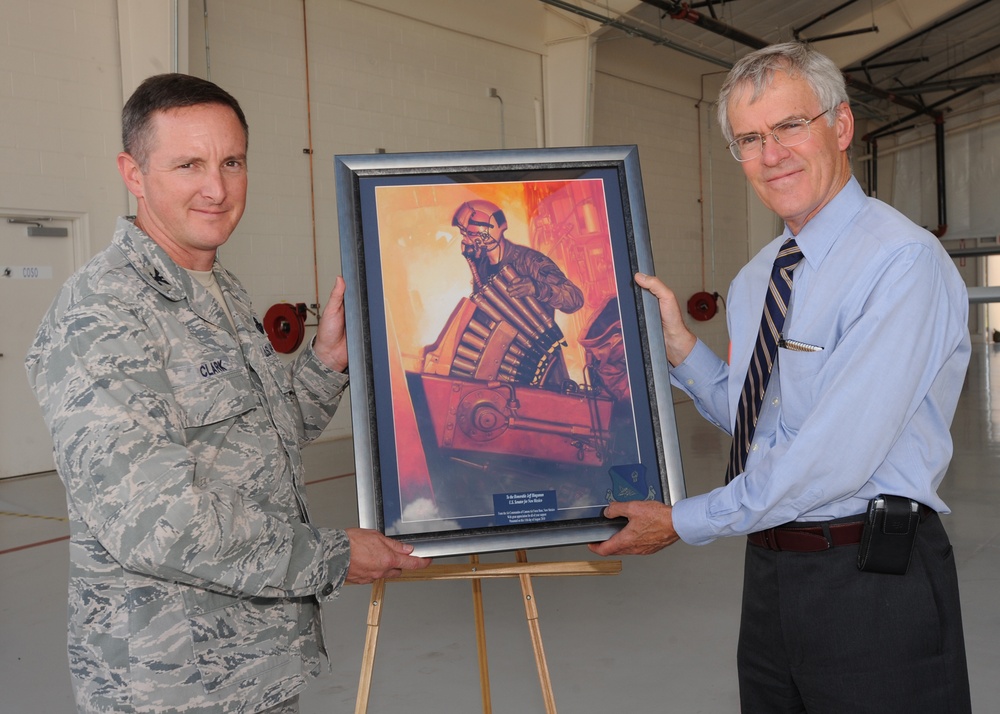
x=60, y=103
x=355, y=76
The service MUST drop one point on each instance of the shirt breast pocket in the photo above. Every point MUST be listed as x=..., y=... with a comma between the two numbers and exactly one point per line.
x=215, y=399
x=799, y=374
x=223, y=423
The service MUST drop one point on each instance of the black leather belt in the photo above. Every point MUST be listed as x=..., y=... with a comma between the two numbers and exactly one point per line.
x=812, y=539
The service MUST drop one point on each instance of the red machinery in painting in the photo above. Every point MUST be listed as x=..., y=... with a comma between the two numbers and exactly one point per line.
x=495, y=383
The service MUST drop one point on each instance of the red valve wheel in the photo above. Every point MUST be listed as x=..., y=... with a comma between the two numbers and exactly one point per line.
x=702, y=306
x=285, y=325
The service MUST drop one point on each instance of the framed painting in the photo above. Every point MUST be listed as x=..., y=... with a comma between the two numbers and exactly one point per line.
x=508, y=378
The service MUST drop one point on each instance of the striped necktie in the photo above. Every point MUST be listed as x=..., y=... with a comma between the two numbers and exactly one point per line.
x=765, y=354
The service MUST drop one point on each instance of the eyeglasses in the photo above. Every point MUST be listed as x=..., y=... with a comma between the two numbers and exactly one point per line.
x=789, y=133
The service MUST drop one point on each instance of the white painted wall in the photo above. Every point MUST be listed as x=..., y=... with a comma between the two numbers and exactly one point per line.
x=400, y=75
x=696, y=196
x=382, y=75
x=60, y=103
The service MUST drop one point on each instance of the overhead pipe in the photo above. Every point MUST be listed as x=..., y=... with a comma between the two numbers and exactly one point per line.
x=939, y=158
x=925, y=109
x=309, y=151
x=952, y=130
x=930, y=28
x=978, y=251
x=873, y=168
x=796, y=31
x=683, y=11
x=633, y=31
x=971, y=58
x=896, y=63
x=888, y=96
x=974, y=82
x=839, y=35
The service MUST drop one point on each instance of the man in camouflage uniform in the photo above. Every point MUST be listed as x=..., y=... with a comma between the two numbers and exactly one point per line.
x=195, y=575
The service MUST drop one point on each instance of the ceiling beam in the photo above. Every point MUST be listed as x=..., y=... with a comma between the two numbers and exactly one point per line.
x=895, y=20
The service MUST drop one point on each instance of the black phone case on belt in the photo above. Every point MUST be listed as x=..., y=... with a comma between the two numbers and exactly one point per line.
x=890, y=530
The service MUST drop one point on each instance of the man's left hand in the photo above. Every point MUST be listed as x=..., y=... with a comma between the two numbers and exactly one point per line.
x=650, y=528
x=330, y=344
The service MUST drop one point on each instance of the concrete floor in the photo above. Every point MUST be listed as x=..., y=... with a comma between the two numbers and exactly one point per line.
x=659, y=637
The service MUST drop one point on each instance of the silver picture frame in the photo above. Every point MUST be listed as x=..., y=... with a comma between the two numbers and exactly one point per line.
x=489, y=413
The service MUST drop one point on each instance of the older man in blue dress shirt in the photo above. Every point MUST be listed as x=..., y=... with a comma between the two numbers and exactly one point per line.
x=859, y=404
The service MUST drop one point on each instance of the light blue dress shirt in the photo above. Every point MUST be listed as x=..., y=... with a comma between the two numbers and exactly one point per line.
x=865, y=407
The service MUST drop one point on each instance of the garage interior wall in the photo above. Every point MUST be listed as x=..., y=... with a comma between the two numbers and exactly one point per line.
x=972, y=173
x=318, y=78
x=385, y=76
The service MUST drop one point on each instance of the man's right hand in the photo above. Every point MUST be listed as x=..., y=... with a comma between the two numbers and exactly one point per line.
x=650, y=528
x=373, y=557
x=679, y=340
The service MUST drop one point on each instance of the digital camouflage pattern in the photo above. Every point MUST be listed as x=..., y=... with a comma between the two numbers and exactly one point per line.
x=194, y=572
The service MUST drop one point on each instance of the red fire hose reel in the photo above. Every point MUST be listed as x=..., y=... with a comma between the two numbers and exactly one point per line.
x=285, y=325
x=703, y=306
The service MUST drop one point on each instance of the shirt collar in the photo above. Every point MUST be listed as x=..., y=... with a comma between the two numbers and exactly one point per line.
x=822, y=230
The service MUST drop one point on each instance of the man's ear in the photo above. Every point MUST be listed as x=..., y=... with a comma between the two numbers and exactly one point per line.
x=131, y=174
x=845, y=126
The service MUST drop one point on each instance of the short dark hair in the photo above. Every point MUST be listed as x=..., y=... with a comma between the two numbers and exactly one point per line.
x=162, y=92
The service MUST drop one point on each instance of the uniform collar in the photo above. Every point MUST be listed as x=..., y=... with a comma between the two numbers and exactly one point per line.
x=150, y=261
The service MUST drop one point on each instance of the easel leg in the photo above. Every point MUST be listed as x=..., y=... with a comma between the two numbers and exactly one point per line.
x=476, y=572
x=371, y=641
x=531, y=612
x=484, y=667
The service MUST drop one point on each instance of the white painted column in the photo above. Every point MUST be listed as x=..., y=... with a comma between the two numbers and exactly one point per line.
x=153, y=39
x=568, y=81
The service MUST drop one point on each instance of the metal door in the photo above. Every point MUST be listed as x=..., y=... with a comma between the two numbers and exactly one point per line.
x=32, y=269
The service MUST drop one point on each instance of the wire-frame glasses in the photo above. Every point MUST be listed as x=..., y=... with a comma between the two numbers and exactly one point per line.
x=789, y=133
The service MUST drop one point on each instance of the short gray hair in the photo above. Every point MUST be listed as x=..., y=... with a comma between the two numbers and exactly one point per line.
x=756, y=70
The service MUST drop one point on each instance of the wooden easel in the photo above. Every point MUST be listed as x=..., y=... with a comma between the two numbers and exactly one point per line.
x=476, y=571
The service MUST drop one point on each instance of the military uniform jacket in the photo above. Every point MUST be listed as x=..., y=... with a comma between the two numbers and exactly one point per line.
x=194, y=571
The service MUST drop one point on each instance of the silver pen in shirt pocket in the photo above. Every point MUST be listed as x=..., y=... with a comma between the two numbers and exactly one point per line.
x=798, y=346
